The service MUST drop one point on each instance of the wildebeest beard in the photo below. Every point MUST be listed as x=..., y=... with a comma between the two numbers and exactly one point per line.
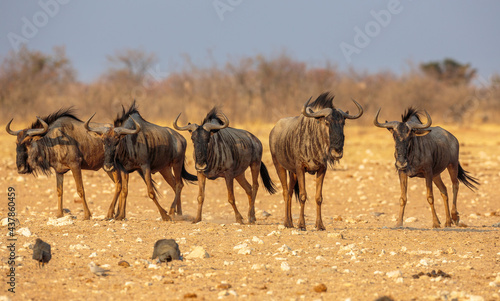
x=38, y=158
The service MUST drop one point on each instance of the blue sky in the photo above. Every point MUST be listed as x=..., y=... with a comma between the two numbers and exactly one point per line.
x=377, y=35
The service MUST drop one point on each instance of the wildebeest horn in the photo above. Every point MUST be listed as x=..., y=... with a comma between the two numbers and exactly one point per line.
x=37, y=132
x=7, y=128
x=418, y=126
x=124, y=131
x=211, y=126
x=386, y=125
x=100, y=130
x=360, y=109
x=189, y=127
x=320, y=113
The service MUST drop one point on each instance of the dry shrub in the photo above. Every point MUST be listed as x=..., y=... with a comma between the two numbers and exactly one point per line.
x=249, y=90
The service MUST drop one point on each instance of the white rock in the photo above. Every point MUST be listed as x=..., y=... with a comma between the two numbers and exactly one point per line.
x=424, y=262
x=285, y=266
x=281, y=227
x=394, y=274
x=411, y=220
x=63, y=221
x=399, y=280
x=240, y=246
x=24, y=232
x=301, y=281
x=198, y=252
x=258, y=266
x=138, y=239
x=93, y=255
x=257, y=240
x=284, y=249
x=276, y=233
x=245, y=251
x=153, y=266
x=476, y=298
x=378, y=273
x=158, y=277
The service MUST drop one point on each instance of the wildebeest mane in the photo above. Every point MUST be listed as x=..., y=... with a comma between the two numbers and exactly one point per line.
x=49, y=119
x=120, y=119
x=325, y=100
x=409, y=113
x=212, y=115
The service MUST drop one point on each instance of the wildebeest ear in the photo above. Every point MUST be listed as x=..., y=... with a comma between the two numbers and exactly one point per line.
x=422, y=132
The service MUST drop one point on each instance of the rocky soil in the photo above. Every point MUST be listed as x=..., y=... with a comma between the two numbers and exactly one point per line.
x=360, y=256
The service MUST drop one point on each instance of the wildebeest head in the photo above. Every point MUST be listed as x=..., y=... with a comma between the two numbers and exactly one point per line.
x=111, y=137
x=25, y=161
x=331, y=122
x=403, y=133
x=200, y=135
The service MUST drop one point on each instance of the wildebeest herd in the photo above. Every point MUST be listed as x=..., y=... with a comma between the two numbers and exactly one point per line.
x=307, y=143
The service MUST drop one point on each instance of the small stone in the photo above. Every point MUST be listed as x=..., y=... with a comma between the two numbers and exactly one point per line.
x=266, y=214
x=123, y=263
x=411, y=220
x=394, y=274
x=285, y=266
x=190, y=296
x=224, y=286
x=198, y=252
x=24, y=232
x=320, y=288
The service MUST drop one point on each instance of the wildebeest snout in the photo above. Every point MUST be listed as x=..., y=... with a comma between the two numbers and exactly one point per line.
x=200, y=166
x=401, y=165
x=108, y=167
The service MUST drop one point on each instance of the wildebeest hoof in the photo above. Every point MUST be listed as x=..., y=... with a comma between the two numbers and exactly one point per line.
x=59, y=215
x=436, y=226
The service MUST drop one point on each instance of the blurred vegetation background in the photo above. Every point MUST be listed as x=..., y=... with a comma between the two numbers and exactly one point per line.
x=255, y=89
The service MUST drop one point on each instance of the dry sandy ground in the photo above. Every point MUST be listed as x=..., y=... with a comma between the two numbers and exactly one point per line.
x=359, y=256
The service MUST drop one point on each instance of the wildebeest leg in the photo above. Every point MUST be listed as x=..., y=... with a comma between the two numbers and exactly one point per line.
x=453, y=171
x=115, y=176
x=60, y=183
x=430, y=200
x=444, y=194
x=301, y=178
x=286, y=197
x=151, y=192
x=251, y=196
x=403, y=181
x=77, y=175
x=201, y=196
x=230, y=198
x=176, y=184
x=320, y=176
x=122, y=205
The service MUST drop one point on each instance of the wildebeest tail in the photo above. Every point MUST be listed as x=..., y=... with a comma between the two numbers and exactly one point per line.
x=466, y=179
x=187, y=176
x=266, y=179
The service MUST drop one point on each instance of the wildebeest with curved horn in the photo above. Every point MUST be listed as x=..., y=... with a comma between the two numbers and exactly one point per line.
x=425, y=152
x=60, y=141
x=223, y=151
x=134, y=144
x=308, y=143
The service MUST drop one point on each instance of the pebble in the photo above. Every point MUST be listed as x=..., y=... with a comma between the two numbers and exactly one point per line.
x=411, y=220
x=63, y=221
x=285, y=266
x=198, y=252
x=24, y=232
x=320, y=288
x=394, y=274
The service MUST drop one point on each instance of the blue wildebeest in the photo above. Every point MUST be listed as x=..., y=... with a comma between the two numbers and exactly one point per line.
x=134, y=144
x=222, y=151
x=425, y=152
x=308, y=143
x=60, y=141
